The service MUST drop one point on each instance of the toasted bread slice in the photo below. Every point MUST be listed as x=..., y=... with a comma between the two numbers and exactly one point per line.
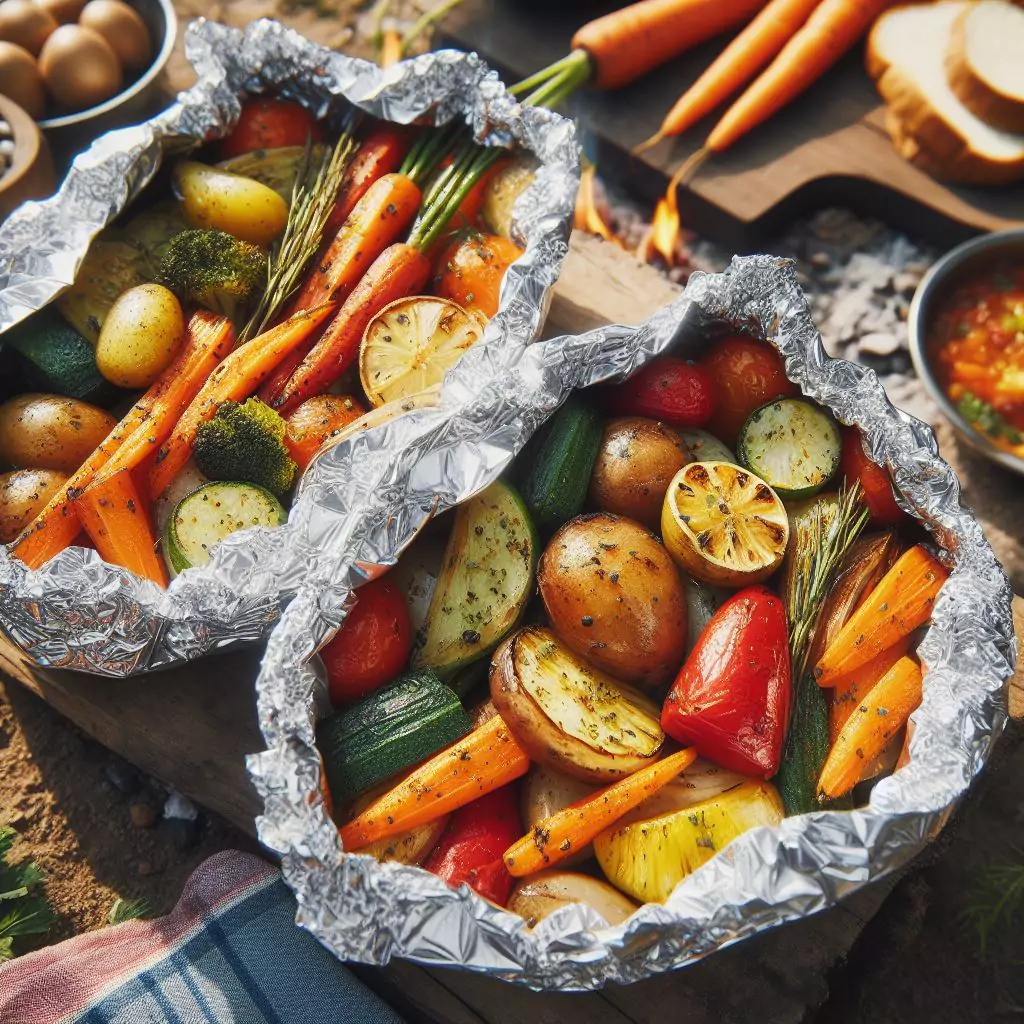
x=930, y=126
x=985, y=63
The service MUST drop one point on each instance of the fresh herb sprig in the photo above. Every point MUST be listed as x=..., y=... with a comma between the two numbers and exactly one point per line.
x=23, y=910
x=313, y=197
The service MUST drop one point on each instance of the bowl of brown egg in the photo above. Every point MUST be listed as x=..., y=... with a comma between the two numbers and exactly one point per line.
x=83, y=67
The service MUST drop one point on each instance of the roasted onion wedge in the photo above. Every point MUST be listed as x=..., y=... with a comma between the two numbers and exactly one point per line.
x=568, y=714
x=542, y=894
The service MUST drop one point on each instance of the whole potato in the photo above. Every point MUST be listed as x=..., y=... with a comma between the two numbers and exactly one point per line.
x=50, y=432
x=635, y=464
x=614, y=596
x=23, y=495
x=141, y=336
x=214, y=198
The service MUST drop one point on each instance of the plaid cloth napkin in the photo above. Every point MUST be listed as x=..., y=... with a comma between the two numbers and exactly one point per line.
x=229, y=953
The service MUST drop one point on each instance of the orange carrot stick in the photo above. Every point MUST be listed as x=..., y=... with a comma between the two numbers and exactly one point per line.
x=117, y=521
x=850, y=688
x=743, y=58
x=400, y=270
x=487, y=758
x=832, y=28
x=569, y=830
x=626, y=44
x=236, y=378
x=878, y=717
x=901, y=602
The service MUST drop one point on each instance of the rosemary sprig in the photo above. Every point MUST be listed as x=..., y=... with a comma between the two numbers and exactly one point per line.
x=821, y=541
x=313, y=197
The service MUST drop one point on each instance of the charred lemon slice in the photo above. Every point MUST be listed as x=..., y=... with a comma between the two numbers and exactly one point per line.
x=410, y=345
x=723, y=524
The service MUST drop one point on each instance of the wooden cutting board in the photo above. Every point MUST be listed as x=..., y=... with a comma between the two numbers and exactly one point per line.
x=827, y=148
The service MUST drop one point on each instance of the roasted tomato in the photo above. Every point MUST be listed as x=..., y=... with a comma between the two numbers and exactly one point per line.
x=472, y=847
x=731, y=699
x=268, y=123
x=373, y=644
x=667, y=389
x=470, y=271
x=746, y=375
x=874, y=480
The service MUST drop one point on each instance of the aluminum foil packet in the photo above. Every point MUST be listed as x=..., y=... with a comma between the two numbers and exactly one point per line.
x=408, y=470
x=79, y=612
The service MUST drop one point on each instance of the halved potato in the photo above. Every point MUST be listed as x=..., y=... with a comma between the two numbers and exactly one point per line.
x=569, y=715
x=542, y=894
x=724, y=525
x=648, y=859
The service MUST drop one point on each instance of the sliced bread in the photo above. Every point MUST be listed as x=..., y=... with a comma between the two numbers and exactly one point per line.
x=930, y=126
x=985, y=62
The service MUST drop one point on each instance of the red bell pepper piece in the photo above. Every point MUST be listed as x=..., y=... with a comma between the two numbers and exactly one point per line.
x=667, y=389
x=472, y=847
x=731, y=698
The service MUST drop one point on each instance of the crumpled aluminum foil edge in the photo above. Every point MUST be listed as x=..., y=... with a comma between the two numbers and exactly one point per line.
x=78, y=612
x=432, y=459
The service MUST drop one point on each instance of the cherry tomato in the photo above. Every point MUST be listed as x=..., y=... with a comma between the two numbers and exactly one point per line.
x=314, y=421
x=268, y=123
x=373, y=644
x=667, y=389
x=746, y=375
x=874, y=480
x=470, y=271
x=731, y=698
x=472, y=846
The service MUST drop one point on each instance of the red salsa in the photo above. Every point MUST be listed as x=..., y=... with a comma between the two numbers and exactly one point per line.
x=977, y=348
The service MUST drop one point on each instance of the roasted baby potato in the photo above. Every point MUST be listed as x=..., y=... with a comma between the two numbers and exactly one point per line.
x=615, y=596
x=50, y=432
x=636, y=462
x=23, y=494
x=140, y=337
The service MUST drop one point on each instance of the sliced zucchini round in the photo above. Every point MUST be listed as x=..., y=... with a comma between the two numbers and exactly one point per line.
x=213, y=512
x=792, y=445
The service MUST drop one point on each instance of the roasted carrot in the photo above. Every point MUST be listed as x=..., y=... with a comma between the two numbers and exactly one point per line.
x=236, y=378
x=743, y=58
x=563, y=833
x=380, y=153
x=850, y=688
x=316, y=420
x=625, y=44
x=57, y=525
x=116, y=518
x=487, y=758
x=470, y=271
x=210, y=338
x=400, y=270
x=901, y=602
x=878, y=717
x=832, y=28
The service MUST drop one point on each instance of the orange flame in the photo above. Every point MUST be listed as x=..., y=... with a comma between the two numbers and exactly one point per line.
x=663, y=236
x=587, y=217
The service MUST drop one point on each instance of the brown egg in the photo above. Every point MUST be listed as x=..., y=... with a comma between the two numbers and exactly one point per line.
x=122, y=27
x=64, y=12
x=26, y=24
x=20, y=79
x=79, y=68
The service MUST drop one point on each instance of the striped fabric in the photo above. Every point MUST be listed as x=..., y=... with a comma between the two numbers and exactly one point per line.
x=229, y=953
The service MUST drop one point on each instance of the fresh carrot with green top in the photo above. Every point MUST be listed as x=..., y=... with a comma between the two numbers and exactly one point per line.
x=877, y=718
x=833, y=27
x=236, y=378
x=563, y=833
x=901, y=602
x=743, y=58
x=489, y=757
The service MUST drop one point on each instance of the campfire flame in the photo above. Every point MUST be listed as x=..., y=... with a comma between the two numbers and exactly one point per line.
x=587, y=216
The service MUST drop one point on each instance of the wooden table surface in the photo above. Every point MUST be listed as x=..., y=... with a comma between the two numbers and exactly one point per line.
x=192, y=727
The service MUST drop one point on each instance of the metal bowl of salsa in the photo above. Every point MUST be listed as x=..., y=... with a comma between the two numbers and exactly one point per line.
x=966, y=327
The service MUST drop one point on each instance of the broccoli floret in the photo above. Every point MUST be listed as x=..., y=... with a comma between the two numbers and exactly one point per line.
x=214, y=269
x=245, y=443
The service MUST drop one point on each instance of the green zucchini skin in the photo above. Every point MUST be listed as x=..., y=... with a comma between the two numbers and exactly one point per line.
x=487, y=578
x=391, y=729
x=791, y=444
x=559, y=461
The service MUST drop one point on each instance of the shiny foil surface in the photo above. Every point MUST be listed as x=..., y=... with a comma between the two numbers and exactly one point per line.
x=396, y=476
x=79, y=612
